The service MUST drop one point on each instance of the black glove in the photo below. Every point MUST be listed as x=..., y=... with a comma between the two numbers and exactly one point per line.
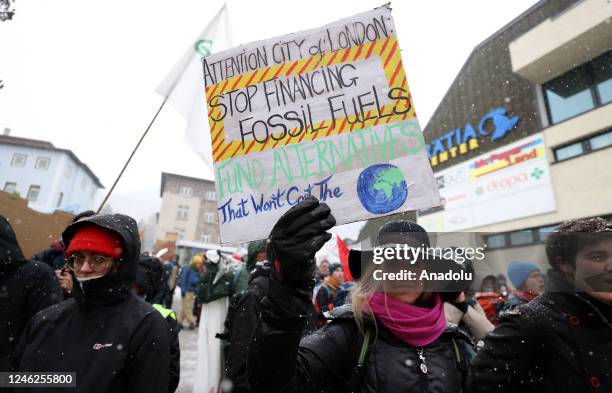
x=461, y=306
x=295, y=239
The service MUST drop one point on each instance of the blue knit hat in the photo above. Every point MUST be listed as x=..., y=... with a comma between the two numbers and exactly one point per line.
x=518, y=272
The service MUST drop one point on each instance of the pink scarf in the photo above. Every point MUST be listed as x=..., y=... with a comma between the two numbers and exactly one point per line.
x=416, y=326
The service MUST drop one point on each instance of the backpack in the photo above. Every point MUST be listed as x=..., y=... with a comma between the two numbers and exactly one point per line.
x=236, y=302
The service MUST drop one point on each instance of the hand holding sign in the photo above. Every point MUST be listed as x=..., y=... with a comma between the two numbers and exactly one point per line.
x=295, y=239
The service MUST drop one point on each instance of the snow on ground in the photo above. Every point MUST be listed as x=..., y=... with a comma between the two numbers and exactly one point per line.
x=189, y=351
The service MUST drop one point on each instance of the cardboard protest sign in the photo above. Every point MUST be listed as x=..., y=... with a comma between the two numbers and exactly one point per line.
x=324, y=112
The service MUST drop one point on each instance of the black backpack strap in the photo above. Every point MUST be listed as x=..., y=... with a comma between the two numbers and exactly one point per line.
x=463, y=353
x=354, y=381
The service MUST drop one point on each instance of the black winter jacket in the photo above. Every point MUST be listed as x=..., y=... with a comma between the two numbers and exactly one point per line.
x=240, y=323
x=280, y=360
x=26, y=287
x=559, y=342
x=114, y=341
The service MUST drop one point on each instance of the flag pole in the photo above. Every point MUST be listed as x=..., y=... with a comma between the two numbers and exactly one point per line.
x=166, y=96
x=131, y=155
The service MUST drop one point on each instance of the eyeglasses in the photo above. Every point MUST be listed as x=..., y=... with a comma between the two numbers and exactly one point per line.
x=96, y=262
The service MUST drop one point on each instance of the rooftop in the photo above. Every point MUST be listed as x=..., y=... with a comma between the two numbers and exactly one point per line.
x=166, y=175
x=44, y=145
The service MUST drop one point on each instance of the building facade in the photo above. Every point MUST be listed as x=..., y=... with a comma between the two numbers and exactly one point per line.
x=50, y=178
x=522, y=140
x=188, y=210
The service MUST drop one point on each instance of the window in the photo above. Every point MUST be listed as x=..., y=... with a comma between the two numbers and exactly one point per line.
x=496, y=241
x=602, y=70
x=523, y=237
x=42, y=163
x=520, y=238
x=33, y=193
x=181, y=233
x=10, y=187
x=543, y=232
x=579, y=90
x=210, y=196
x=182, y=212
x=209, y=218
x=568, y=95
x=601, y=141
x=605, y=91
x=204, y=238
x=573, y=150
x=59, y=199
x=185, y=191
x=19, y=160
x=83, y=184
x=93, y=192
x=584, y=146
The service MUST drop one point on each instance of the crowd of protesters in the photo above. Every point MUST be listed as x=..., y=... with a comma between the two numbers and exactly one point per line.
x=95, y=305
x=551, y=333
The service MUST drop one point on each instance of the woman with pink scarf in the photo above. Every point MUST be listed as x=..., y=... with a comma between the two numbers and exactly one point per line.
x=393, y=337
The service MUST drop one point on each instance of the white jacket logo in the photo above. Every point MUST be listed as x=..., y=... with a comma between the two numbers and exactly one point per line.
x=100, y=346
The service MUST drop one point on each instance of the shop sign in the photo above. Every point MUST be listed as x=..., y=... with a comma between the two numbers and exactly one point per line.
x=494, y=125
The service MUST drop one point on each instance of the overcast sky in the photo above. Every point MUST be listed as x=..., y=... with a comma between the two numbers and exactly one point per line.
x=82, y=73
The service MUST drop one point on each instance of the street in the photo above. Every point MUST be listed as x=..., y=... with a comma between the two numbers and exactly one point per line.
x=189, y=350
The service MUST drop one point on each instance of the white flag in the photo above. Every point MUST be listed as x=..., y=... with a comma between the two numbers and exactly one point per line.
x=184, y=85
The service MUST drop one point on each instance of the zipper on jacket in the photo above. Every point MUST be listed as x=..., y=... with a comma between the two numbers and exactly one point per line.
x=422, y=365
x=422, y=368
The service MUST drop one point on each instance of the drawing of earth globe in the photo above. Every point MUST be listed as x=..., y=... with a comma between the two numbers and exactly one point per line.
x=382, y=188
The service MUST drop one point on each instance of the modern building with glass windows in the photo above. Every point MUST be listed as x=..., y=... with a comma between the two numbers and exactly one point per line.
x=522, y=140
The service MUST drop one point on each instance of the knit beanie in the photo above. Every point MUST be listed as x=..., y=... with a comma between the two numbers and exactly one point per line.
x=96, y=239
x=518, y=272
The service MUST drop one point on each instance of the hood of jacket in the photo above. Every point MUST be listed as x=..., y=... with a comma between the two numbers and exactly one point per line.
x=116, y=285
x=10, y=252
x=150, y=276
x=253, y=250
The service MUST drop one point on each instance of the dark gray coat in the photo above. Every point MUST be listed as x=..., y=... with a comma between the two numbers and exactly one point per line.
x=559, y=342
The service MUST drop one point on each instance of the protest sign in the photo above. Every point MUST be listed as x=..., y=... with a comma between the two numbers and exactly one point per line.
x=324, y=112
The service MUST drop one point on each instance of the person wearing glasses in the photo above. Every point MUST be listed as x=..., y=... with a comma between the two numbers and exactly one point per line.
x=112, y=340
